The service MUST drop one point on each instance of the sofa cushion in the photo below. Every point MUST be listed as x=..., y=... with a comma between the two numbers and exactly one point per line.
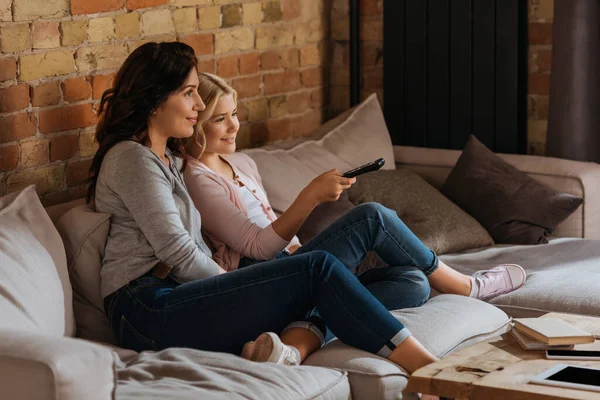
x=562, y=276
x=322, y=216
x=438, y=222
x=84, y=234
x=287, y=167
x=35, y=292
x=444, y=324
x=180, y=373
x=511, y=205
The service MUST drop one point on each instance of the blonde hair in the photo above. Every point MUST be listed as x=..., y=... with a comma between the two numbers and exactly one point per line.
x=210, y=88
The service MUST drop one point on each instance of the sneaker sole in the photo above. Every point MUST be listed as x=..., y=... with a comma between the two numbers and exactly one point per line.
x=263, y=348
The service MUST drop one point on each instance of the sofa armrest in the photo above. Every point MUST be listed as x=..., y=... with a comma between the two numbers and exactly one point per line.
x=40, y=367
x=574, y=177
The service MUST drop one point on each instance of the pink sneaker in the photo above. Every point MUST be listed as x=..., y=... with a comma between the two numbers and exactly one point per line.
x=502, y=279
x=268, y=347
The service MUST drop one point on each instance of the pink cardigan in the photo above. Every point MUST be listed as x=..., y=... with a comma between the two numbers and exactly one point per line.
x=224, y=215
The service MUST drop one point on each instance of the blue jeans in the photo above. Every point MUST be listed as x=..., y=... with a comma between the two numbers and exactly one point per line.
x=223, y=312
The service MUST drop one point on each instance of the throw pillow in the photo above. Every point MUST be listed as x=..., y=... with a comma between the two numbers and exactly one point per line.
x=434, y=219
x=511, y=205
x=35, y=292
x=350, y=140
x=84, y=233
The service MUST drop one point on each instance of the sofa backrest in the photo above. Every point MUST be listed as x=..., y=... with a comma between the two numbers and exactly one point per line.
x=573, y=177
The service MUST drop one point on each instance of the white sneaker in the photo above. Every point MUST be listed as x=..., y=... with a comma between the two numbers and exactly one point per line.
x=268, y=347
x=497, y=281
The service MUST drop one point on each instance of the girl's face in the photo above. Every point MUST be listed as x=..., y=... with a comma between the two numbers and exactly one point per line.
x=177, y=116
x=222, y=127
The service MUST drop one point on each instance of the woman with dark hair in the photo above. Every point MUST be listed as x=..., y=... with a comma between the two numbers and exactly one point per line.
x=160, y=285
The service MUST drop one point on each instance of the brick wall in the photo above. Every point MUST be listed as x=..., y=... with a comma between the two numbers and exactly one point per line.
x=57, y=57
x=540, y=51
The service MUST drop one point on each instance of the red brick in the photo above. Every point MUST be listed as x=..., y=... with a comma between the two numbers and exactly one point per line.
x=316, y=98
x=290, y=58
x=207, y=66
x=307, y=123
x=135, y=4
x=100, y=83
x=373, y=79
x=8, y=69
x=34, y=153
x=76, y=89
x=228, y=66
x=544, y=60
x=247, y=86
x=292, y=9
x=202, y=43
x=270, y=60
x=17, y=126
x=298, y=102
x=45, y=94
x=540, y=33
x=242, y=111
x=259, y=134
x=539, y=84
x=78, y=172
x=280, y=128
x=371, y=7
x=56, y=198
x=541, y=107
x=63, y=147
x=95, y=6
x=249, y=63
x=9, y=157
x=282, y=82
x=312, y=77
x=14, y=98
x=67, y=118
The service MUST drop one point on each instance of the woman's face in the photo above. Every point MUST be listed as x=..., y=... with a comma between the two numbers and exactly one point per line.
x=222, y=127
x=177, y=116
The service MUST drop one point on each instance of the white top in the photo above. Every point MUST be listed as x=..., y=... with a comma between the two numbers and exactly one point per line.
x=255, y=210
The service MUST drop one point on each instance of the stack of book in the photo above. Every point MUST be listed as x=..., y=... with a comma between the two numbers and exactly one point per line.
x=548, y=334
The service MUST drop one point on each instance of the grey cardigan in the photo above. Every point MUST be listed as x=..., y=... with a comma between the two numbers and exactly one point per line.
x=152, y=219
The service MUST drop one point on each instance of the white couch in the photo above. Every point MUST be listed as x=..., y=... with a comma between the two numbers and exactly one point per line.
x=55, y=342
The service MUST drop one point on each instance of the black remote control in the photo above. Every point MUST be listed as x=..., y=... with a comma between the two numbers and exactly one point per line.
x=370, y=167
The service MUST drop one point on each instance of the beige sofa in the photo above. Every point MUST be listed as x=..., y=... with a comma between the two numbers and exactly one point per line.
x=55, y=342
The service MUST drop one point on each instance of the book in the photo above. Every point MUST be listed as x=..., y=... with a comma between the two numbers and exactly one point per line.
x=529, y=343
x=552, y=331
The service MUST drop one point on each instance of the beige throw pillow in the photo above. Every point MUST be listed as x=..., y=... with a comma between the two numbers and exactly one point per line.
x=438, y=222
x=84, y=233
x=35, y=292
x=350, y=140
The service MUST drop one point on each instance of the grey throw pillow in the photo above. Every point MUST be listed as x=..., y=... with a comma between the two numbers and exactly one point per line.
x=434, y=219
x=511, y=205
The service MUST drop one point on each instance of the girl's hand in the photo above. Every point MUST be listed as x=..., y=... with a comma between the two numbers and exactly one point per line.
x=326, y=187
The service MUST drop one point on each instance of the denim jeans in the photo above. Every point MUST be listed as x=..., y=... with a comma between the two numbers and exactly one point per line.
x=221, y=313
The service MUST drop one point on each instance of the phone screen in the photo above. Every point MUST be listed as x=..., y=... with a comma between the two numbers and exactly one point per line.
x=582, y=376
x=576, y=353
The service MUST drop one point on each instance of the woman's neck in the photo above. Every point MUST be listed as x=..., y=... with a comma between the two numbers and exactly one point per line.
x=158, y=145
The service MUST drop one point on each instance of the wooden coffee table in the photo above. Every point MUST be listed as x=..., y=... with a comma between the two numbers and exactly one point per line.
x=500, y=369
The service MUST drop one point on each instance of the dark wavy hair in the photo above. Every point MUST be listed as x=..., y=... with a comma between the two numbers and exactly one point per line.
x=145, y=80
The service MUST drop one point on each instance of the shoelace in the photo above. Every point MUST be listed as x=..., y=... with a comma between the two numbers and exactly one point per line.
x=491, y=282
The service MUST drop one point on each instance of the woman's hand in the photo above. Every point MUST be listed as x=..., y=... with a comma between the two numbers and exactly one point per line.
x=326, y=187
x=293, y=248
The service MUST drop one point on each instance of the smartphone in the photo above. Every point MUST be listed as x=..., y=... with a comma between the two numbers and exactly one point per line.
x=370, y=167
x=573, y=354
x=570, y=376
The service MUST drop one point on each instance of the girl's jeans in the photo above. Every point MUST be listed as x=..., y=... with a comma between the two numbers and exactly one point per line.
x=223, y=312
